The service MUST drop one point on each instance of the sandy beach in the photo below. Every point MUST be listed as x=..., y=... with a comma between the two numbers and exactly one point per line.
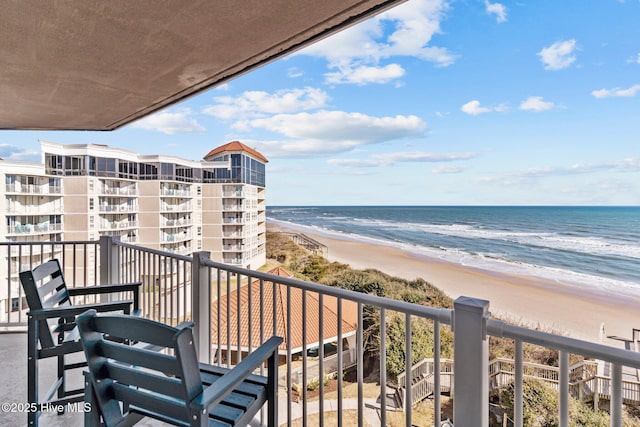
x=574, y=311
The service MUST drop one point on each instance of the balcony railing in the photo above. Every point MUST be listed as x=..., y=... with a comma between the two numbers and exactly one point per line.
x=117, y=208
x=33, y=189
x=176, y=222
x=25, y=209
x=33, y=228
x=172, y=192
x=178, y=288
x=118, y=191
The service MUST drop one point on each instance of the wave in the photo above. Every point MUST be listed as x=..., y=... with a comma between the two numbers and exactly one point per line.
x=565, y=242
x=486, y=261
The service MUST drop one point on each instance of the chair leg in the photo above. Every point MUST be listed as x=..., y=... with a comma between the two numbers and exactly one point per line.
x=92, y=416
x=61, y=376
x=32, y=370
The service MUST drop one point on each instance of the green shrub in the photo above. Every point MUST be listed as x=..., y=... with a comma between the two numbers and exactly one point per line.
x=540, y=407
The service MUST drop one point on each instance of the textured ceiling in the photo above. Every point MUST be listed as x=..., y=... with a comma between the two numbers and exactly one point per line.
x=98, y=65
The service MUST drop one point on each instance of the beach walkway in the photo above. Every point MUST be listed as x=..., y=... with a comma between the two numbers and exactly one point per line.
x=371, y=409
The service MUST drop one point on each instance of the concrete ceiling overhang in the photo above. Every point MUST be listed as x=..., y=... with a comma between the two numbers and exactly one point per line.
x=98, y=65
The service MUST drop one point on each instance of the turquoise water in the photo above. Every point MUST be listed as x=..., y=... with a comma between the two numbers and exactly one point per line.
x=595, y=246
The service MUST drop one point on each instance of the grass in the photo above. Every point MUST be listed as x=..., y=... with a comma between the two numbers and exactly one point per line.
x=349, y=417
x=421, y=416
x=350, y=390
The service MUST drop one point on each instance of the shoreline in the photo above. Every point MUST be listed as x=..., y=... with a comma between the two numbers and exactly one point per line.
x=567, y=309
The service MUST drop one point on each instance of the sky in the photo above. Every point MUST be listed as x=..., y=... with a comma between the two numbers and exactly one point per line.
x=434, y=102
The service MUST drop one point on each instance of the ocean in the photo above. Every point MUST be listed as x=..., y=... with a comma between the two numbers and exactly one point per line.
x=598, y=247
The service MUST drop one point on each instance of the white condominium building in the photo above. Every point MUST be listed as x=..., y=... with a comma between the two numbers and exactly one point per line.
x=83, y=191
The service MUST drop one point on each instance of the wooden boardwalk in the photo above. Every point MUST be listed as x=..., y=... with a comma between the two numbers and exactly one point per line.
x=589, y=381
x=308, y=243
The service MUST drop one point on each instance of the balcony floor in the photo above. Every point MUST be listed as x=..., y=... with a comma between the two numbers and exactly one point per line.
x=13, y=389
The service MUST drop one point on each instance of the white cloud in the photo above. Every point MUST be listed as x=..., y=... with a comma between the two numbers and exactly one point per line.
x=341, y=125
x=329, y=132
x=448, y=169
x=18, y=154
x=635, y=59
x=559, y=55
x=627, y=165
x=365, y=74
x=535, y=103
x=294, y=72
x=258, y=103
x=474, y=108
x=170, y=122
x=366, y=44
x=387, y=159
x=630, y=164
x=616, y=92
x=497, y=9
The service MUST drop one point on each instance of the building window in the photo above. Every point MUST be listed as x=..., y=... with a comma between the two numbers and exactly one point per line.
x=73, y=165
x=91, y=204
x=92, y=221
x=199, y=190
x=90, y=186
x=15, y=304
x=199, y=231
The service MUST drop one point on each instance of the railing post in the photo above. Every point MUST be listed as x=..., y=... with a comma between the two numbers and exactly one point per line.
x=616, y=395
x=201, y=300
x=109, y=260
x=471, y=369
x=563, y=390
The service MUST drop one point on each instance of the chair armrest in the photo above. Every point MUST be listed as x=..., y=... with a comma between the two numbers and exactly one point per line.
x=217, y=391
x=75, y=310
x=104, y=289
x=108, y=289
x=184, y=325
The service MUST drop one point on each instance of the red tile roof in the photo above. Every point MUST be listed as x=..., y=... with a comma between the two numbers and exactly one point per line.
x=235, y=146
x=250, y=319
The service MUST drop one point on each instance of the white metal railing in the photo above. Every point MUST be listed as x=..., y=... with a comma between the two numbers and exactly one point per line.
x=617, y=357
x=117, y=208
x=45, y=208
x=33, y=189
x=117, y=191
x=77, y=259
x=178, y=288
x=176, y=222
x=37, y=228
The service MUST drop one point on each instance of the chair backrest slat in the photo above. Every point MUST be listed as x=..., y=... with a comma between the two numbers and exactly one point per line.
x=114, y=382
x=58, y=299
x=138, y=329
x=49, y=268
x=141, y=357
x=36, y=294
x=162, y=405
x=144, y=380
x=50, y=286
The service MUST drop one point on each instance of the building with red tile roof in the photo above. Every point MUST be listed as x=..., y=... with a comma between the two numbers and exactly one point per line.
x=250, y=317
x=235, y=146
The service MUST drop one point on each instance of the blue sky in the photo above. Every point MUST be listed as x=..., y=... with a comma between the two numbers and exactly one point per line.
x=432, y=103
